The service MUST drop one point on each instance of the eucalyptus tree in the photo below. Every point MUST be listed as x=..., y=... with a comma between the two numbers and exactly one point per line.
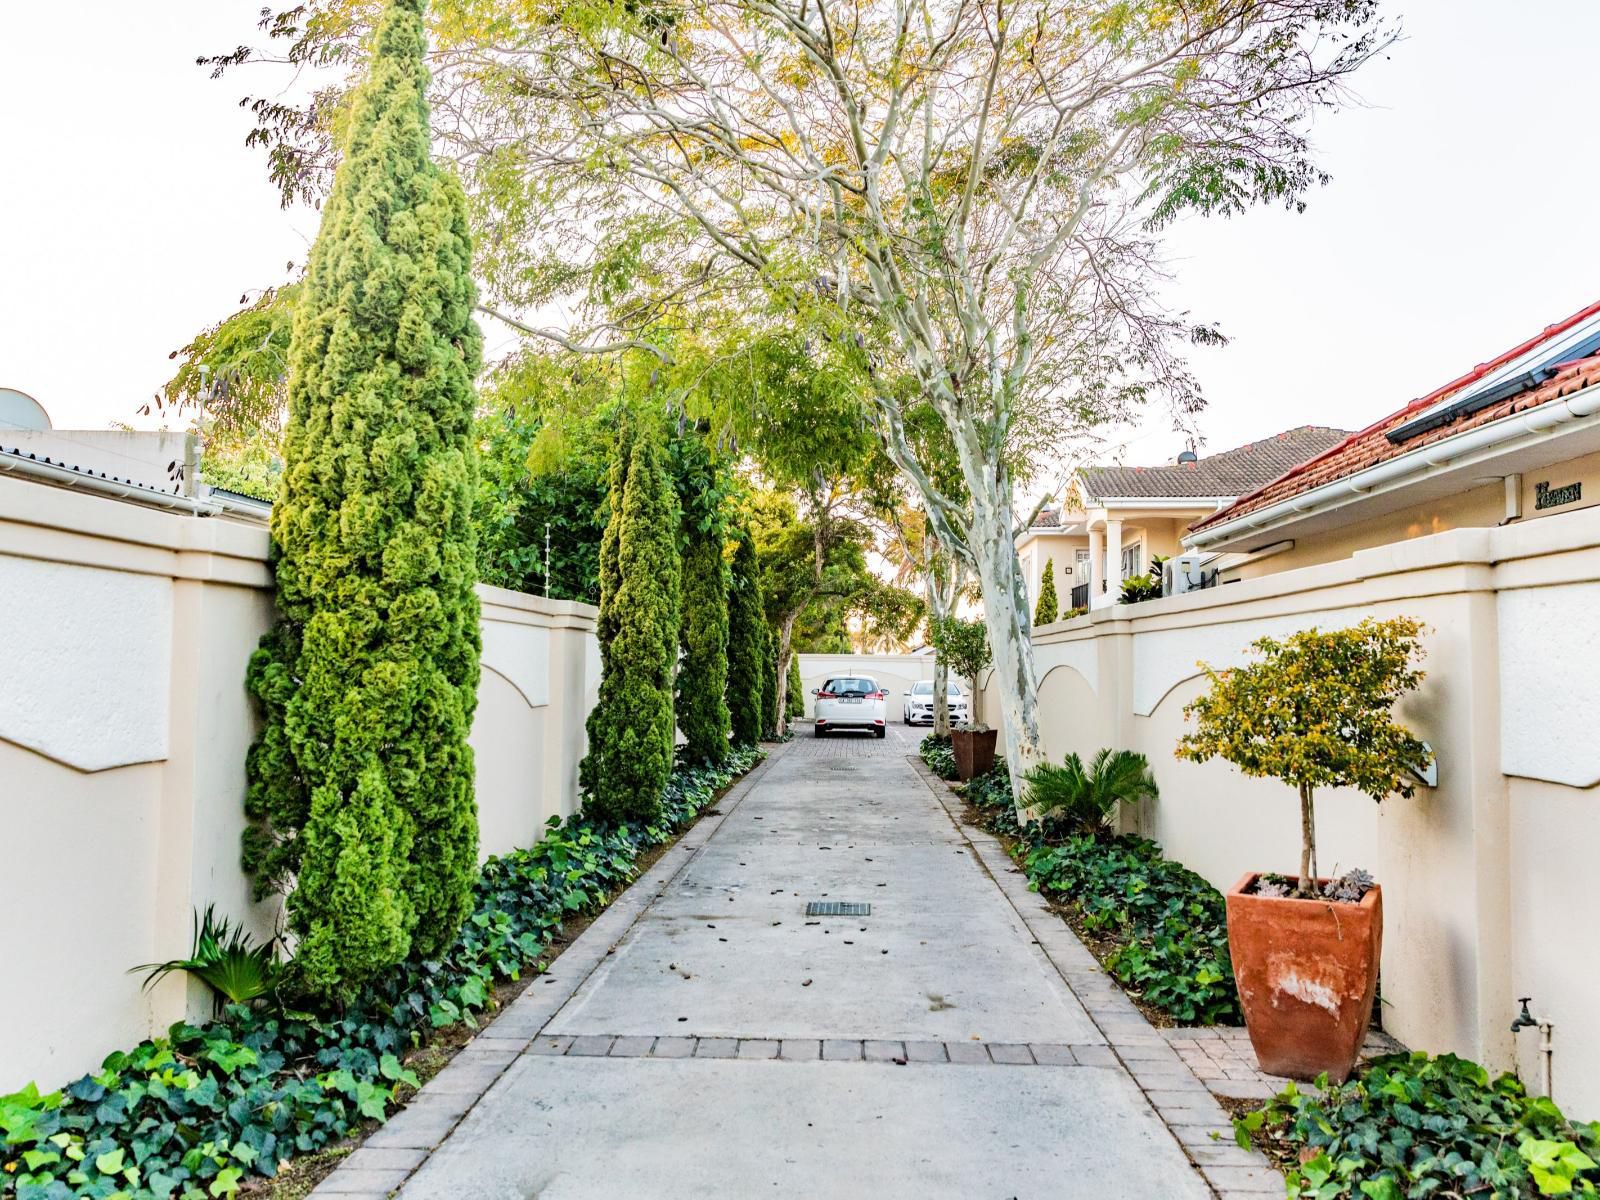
x=966, y=192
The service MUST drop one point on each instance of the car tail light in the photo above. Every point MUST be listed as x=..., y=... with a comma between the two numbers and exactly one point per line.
x=878, y=696
x=826, y=696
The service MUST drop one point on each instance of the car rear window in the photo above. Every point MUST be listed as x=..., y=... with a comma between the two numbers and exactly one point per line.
x=850, y=686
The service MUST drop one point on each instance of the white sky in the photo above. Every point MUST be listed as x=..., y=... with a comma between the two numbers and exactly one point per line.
x=131, y=215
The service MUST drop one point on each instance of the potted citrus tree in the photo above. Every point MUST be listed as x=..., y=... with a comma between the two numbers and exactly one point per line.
x=1316, y=711
x=963, y=646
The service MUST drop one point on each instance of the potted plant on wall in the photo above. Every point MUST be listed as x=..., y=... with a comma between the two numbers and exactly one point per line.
x=1316, y=711
x=963, y=646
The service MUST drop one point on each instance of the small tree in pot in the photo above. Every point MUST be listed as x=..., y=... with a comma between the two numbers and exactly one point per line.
x=1316, y=711
x=963, y=646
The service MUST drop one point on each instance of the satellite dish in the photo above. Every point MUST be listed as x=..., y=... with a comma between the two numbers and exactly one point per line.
x=18, y=410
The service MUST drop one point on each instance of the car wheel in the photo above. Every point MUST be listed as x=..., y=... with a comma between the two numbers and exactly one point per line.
x=881, y=731
x=816, y=731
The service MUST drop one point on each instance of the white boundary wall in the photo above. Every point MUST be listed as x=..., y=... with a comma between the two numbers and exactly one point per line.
x=124, y=724
x=1487, y=878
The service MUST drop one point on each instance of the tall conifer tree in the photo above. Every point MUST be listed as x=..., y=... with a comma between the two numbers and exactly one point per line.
x=632, y=729
x=1048, y=608
x=747, y=636
x=702, y=705
x=362, y=780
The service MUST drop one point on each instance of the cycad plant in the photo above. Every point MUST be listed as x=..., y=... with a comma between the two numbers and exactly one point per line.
x=226, y=959
x=1076, y=795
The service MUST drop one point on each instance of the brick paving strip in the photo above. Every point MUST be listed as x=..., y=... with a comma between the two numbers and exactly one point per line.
x=1162, y=1065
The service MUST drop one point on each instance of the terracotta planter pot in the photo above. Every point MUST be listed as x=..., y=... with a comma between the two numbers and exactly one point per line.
x=1307, y=972
x=974, y=751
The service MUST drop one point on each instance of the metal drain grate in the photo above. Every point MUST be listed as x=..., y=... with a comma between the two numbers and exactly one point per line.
x=837, y=908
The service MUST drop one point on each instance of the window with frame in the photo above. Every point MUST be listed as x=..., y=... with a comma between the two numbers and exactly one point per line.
x=1132, y=556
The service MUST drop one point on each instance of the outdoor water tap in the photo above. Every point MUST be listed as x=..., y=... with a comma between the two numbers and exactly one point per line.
x=1524, y=1018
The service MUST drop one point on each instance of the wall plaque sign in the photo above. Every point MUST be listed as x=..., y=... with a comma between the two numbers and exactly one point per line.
x=1545, y=496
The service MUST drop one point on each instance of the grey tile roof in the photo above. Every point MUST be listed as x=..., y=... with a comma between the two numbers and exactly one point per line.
x=1235, y=472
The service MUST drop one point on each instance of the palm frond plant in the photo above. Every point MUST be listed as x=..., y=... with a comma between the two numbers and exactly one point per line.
x=227, y=959
x=1087, y=796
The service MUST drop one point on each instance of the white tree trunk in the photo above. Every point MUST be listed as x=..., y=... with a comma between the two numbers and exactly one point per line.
x=1005, y=614
x=941, y=699
x=785, y=641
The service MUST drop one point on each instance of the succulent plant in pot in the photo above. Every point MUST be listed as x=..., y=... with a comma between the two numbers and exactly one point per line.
x=1315, y=711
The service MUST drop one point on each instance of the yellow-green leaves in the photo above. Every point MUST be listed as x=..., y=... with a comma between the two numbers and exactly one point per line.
x=361, y=780
x=1316, y=711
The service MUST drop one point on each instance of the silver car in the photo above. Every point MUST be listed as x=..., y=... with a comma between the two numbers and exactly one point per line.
x=918, y=706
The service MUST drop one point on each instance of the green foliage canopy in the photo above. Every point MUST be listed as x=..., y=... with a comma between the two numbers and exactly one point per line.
x=1316, y=711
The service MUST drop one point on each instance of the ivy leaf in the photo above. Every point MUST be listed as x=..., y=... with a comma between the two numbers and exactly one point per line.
x=109, y=1163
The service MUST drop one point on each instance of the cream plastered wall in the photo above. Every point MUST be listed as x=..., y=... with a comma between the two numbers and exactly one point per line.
x=895, y=672
x=124, y=725
x=1482, y=874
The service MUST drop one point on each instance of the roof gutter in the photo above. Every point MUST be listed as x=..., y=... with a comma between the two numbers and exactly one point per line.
x=49, y=472
x=1419, y=463
x=1160, y=501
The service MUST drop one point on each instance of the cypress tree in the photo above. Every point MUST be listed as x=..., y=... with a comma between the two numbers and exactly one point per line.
x=632, y=730
x=769, y=683
x=702, y=708
x=1048, y=608
x=796, y=705
x=362, y=780
x=597, y=723
x=746, y=642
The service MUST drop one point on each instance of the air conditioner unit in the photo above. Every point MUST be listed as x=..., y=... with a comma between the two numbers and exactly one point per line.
x=1188, y=573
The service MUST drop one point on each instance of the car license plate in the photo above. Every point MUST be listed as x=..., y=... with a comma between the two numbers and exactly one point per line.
x=852, y=700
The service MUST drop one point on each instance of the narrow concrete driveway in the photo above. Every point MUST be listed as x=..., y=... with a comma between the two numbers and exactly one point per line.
x=713, y=1040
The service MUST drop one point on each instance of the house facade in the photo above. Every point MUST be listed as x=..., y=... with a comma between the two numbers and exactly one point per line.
x=1130, y=516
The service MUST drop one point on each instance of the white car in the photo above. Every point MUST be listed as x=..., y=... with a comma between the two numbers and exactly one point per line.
x=918, y=706
x=851, y=702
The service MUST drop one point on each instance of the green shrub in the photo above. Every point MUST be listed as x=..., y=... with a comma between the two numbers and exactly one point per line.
x=1138, y=588
x=963, y=646
x=940, y=756
x=1165, y=926
x=193, y=1114
x=794, y=698
x=1048, y=607
x=1410, y=1125
x=361, y=783
x=1088, y=796
x=702, y=706
x=747, y=636
x=631, y=730
x=769, y=685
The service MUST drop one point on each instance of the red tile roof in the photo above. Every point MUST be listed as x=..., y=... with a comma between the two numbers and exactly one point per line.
x=1371, y=445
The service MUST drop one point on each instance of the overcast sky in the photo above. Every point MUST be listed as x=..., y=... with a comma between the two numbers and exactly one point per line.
x=1457, y=223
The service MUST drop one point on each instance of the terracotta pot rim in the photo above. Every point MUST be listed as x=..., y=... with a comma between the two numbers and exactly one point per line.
x=1248, y=879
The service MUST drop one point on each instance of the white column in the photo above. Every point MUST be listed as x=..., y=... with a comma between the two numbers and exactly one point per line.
x=1097, y=566
x=1113, y=561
